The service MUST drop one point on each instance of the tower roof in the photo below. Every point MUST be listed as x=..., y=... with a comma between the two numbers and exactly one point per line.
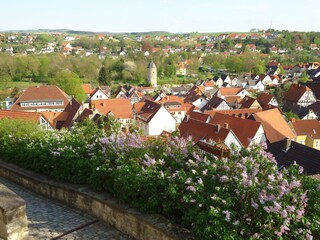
x=151, y=65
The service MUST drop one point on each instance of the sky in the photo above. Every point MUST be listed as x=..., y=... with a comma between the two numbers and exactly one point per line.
x=176, y=16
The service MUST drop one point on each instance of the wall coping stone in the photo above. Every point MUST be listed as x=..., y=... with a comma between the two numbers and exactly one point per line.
x=13, y=218
x=101, y=205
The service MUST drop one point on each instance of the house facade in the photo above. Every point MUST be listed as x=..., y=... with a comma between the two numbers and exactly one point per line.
x=153, y=119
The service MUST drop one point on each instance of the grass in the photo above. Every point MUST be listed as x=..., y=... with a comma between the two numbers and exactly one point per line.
x=11, y=85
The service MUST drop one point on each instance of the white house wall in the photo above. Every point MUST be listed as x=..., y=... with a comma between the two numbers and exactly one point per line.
x=161, y=121
x=200, y=103
x=231, y=139
x=99, y=95
x=259, y=137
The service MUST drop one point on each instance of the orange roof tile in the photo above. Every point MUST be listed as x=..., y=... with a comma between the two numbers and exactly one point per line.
x=87, y=88
x=229, y=91
x=120, y=107
x=275, y=127
x=32, y=116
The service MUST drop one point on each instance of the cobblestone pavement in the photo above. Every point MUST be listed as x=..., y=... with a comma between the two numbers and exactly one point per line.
x=48, y=219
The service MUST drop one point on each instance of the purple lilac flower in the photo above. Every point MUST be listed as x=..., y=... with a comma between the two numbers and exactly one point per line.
x=227, y=213
x=191, y=189
x=224, y=178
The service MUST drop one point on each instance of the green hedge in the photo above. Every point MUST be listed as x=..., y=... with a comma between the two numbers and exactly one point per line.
x=243, y=197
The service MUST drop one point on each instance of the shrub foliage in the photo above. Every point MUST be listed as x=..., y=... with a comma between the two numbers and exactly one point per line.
x=243, y=197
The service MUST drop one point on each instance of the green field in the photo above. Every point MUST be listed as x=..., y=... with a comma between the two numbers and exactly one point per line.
x=6, y=88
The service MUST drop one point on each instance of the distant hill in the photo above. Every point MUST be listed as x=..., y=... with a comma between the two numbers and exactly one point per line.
x=78, y=32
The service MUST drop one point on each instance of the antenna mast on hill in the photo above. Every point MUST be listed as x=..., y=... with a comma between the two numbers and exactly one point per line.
x=271, y=23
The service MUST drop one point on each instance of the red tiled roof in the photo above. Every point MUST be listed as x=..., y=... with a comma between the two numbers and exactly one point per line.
x=120, y=107
x=32, y=116
x=244, y=129
x=202, y=131
x=193, y=94
x=38, y=93
x=241, y=113
x=295, y=92
x=264, y=99
x=248, y=102
x=199, y=116
x=147, y=110
x=310, y=127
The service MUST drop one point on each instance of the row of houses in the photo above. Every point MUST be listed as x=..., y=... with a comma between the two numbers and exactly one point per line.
x=217, y=122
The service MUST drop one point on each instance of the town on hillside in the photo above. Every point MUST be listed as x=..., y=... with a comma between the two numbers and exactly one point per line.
x=218, y=113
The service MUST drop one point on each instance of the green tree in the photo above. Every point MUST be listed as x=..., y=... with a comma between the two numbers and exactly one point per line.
x=104, y=76
x=304, y=77
x=234, y=64
x=258, y=69
x=70, y=83
x=289, y=115
x=281, y=70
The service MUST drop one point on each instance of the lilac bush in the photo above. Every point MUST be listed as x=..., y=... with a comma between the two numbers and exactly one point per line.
x=245, y=196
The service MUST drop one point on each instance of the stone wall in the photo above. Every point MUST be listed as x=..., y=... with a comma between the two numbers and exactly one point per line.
x=13, y=218
x=101, y=205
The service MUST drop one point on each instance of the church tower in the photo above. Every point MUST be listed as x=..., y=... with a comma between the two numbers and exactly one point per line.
x=152, y=74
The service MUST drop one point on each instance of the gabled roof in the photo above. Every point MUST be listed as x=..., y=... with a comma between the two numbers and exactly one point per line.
x=38, y=93
x=73, y=110
x=310, y=127
x=96, y=90
x=87, y=88
x=199, y=130
x=315, y=88
x=315, y=107
x=193, y=94
x=56, y=119
x=295, y=92
x=146, y=110
x=275, y=127
x=202, y=117
x=264, y=99
x=125, y=89
x=244, y=129
x=30, y=116
x=213, y=103
x=120, y=107
x=230, y=91
x=248, y=102
x=308, y=158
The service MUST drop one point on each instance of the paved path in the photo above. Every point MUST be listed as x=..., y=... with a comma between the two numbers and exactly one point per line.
x=48, y=219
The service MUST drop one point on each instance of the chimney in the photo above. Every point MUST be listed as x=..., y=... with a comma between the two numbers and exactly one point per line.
x=226, y=125
x=217, y=128
x=286, y=144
